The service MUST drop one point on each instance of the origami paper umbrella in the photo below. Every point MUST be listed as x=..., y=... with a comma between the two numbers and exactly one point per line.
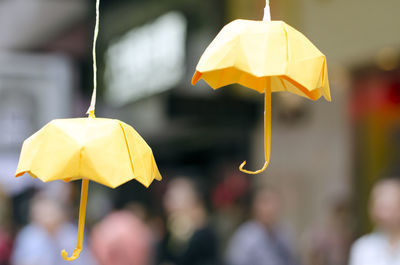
x=107, y=151
x=267, y=56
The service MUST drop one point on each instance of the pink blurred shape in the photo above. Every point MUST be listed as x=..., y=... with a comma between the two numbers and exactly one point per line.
x=120, y=239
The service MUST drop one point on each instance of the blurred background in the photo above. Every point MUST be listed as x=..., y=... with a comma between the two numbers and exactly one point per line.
x=325, y=156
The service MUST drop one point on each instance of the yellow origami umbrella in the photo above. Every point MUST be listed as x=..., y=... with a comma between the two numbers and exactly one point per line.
x=267, y=56
x=107, y=151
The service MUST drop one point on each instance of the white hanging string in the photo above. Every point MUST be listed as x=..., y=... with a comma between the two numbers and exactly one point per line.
x=267, y=12
x=92, y=106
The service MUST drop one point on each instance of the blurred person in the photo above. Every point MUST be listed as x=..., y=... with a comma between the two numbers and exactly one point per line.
x=190, y=239
x=41, y=241
x=330, y=243
x=228, y=198
x=122, y=239
x=261, y=240
x=382, y=246
x=6, y=227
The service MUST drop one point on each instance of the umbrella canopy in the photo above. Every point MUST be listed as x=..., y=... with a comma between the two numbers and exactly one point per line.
x=267, y=56
x=250, y=52
x=107, y=151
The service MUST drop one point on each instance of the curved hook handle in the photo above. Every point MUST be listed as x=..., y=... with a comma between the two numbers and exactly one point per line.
x=267, y=131
x=253, y=172
x=81, y=225
x=74, y=256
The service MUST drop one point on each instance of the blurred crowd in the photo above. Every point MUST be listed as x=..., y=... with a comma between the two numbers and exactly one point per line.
x=234, y=224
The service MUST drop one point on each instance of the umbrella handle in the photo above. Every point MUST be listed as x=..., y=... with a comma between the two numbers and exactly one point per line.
x=81, y=226
x=267, y=131
x=74, y=255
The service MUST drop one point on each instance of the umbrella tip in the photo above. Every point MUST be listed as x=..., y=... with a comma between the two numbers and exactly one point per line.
x=74, y=256
x=327, y=95
x=91, y=114
x=196, y=77
x=267, y=12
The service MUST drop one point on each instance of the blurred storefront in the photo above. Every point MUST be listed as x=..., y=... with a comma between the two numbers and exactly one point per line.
x=375, y=112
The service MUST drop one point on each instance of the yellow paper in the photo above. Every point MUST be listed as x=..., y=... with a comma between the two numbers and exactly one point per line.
x=248, y=52
x=267, y=56
x=107, y=151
